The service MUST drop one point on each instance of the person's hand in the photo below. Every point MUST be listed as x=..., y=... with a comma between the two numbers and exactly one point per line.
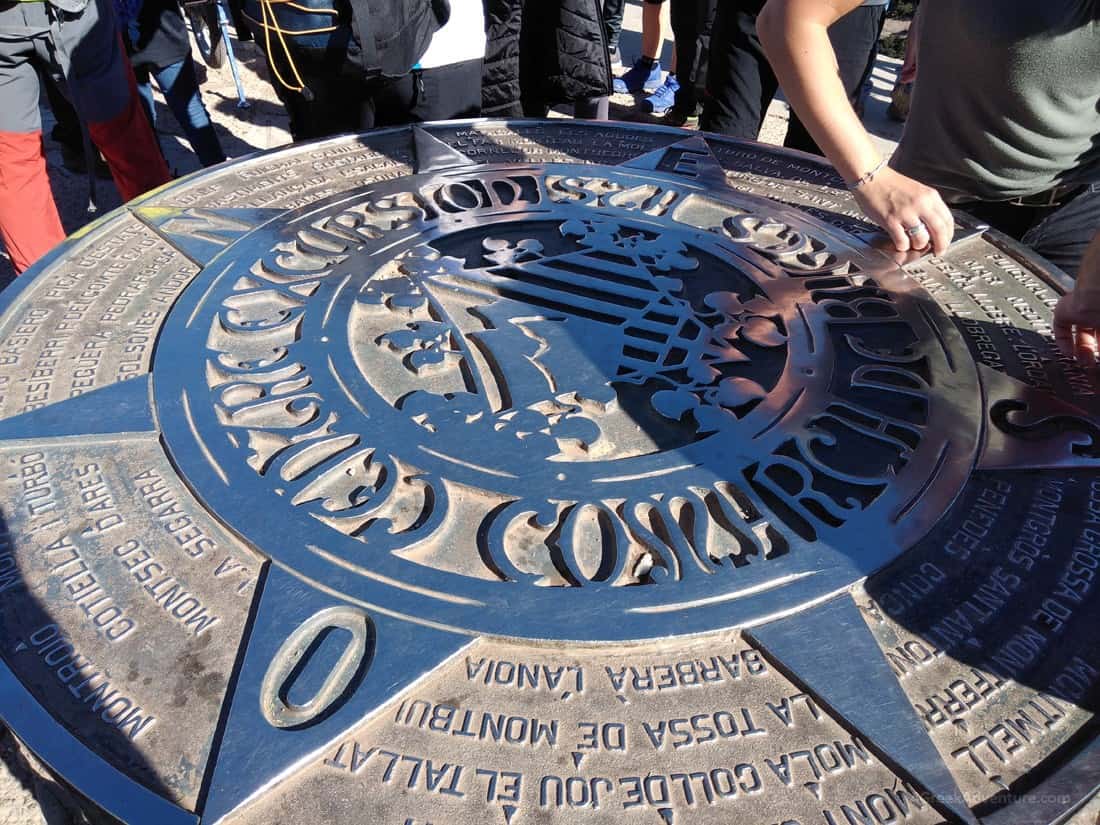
x=1076, y=321
x=913, y=215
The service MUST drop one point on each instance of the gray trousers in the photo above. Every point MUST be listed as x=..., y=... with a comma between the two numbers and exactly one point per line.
x=80, y=50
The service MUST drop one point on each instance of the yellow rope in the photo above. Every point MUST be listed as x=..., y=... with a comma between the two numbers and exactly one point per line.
x=290, y=4
x=265, y=6
x=277, y=28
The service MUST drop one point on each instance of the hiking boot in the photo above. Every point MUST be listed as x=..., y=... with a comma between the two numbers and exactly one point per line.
x=644, y=75
x=664, y=98
x=899, y=102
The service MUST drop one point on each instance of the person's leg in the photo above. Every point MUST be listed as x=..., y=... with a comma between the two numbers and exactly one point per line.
x=535, y=108
x=148, y=104
x=180, y=86
x=181, y=92
x=908, y=72
x=645, y=75
x=652, y=36
x=613, y=22
x=740, y=82
x=683, y=14
x=240, y=21
x=876, y=20
x=691, y=25
x=591, y=108
x=89, y=51
x=1062, y=236
x=29, y=223
x=66, y=130
x=664, y=98
x=300, y=122
x=901, y=96
x=366, y=110
x=145, y=92
x=855, y=41
x=330, y=102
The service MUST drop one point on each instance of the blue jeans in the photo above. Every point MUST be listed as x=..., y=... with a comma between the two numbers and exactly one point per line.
x=180, y=87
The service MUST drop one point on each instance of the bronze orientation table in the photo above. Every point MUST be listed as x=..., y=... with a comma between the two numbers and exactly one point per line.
x=545, y=471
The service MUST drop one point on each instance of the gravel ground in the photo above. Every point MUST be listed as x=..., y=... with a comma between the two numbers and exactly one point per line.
x=1090, y=815
x=30, y=796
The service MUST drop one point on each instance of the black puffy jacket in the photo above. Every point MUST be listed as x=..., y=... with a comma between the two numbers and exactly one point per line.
x=543, y=52
x=500, y=73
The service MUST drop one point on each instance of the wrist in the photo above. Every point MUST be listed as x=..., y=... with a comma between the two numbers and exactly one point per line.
x=867, y=177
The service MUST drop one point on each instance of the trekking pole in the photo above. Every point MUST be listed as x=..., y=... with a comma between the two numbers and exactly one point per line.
x=223, y=24
x=91, y=158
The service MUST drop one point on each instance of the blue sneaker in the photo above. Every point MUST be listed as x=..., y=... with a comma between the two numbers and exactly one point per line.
x=664, y=98
x=644, y=75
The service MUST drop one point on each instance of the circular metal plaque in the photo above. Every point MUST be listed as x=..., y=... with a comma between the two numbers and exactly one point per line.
x=545, y=472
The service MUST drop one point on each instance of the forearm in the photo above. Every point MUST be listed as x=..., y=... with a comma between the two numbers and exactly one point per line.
x=796, y=39
x=795, y=36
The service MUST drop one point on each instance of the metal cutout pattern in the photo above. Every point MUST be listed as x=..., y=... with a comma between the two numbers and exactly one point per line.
x=556, y=472
x=596, y=384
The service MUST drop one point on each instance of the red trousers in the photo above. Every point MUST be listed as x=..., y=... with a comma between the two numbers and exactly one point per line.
x=29, y=222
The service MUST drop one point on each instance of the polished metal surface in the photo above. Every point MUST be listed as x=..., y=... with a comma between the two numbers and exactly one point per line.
x=545, y=472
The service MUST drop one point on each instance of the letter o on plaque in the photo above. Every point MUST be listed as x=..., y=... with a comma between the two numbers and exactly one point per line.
x=276, y=706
